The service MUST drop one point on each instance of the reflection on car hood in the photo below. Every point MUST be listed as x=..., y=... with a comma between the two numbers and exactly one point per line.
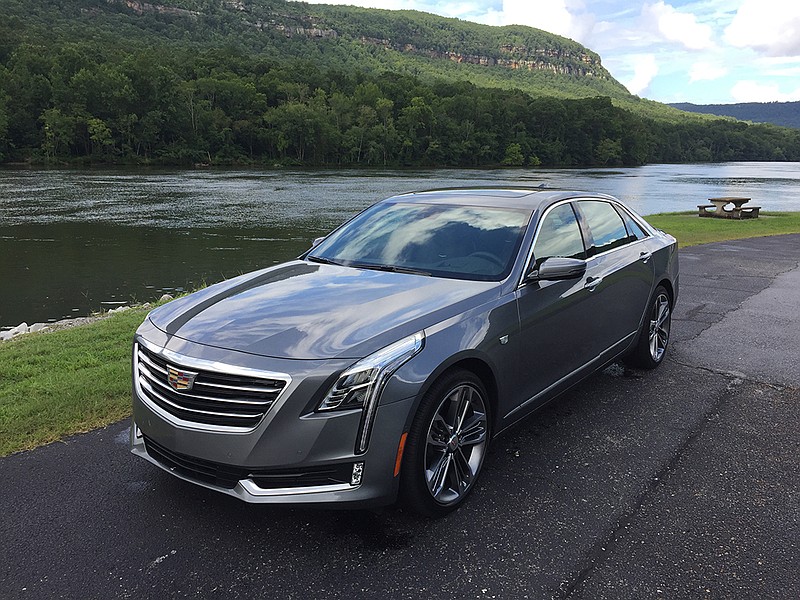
x=311, y=311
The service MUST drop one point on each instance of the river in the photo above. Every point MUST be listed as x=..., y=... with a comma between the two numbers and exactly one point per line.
x=76, y=241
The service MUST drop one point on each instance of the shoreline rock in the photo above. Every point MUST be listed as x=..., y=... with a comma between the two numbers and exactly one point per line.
x=7, y=333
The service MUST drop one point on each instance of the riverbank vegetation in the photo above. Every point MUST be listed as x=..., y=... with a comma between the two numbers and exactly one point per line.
x=57, y=384
x=199, y=82
x=69, y=381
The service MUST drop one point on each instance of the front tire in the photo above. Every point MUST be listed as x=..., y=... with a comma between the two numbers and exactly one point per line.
x=447, y=444
x=654, y=336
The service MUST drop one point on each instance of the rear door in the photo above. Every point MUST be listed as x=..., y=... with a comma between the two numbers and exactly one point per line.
x=621, y=269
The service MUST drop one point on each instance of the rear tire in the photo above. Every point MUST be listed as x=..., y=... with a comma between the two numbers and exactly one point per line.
x=651, y=348
x=447, y=444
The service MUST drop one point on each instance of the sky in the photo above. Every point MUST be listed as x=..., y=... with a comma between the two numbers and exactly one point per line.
x=700, y=51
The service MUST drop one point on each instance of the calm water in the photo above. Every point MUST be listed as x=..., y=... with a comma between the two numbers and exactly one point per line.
x=75, y=241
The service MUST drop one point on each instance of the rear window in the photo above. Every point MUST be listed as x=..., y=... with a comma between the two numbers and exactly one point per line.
x=607, y=228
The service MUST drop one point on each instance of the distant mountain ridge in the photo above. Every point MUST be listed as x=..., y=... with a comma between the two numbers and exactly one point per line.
x=413, y=34
x=278, y=83
x=785, y=114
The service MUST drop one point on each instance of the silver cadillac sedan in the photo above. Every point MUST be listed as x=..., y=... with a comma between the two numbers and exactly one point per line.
x=380, y=365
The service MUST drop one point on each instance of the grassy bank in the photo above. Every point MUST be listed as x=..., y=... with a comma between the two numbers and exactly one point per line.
x=56, y=384
x=691, y=230
x=65, y=382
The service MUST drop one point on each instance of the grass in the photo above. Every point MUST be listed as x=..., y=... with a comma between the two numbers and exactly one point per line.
x=57, y=384
x=691, y=230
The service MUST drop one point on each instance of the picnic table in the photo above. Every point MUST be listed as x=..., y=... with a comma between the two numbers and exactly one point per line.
x=739, y=210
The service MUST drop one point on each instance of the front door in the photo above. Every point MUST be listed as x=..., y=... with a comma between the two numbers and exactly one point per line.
x=554, y=315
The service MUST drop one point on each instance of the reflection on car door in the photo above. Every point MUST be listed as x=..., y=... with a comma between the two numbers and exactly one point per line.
x=621, y=268
x=554, y=315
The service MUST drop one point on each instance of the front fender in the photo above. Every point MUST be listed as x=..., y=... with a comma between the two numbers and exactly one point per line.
x=473, y=338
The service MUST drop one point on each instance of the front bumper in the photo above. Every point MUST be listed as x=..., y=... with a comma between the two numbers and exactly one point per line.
x=291, y=446
x=249, y=490
x=377, y=485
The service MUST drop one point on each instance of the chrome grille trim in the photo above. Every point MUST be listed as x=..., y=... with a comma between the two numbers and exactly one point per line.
x=146, y=386
x=224, y=398
x=151, y=379
x=240, y=388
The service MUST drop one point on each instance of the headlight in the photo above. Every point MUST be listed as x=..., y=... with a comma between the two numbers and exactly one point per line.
x=361, y=385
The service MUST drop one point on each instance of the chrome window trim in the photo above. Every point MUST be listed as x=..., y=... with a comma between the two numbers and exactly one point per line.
x=522, y=281
x=610, y=250
x=647, y=230
x=646, y=227
x=643, y=224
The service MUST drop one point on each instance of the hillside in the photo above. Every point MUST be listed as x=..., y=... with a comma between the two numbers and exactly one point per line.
x=785, y=114
x=372, y=40
x=282, y=83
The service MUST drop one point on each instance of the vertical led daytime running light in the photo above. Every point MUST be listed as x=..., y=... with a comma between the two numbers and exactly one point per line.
x=388, y=361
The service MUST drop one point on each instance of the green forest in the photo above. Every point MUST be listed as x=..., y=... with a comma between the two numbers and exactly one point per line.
x=204, y=82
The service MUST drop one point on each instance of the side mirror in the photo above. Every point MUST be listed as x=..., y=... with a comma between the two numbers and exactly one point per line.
x=317, y=241
x=558, y=268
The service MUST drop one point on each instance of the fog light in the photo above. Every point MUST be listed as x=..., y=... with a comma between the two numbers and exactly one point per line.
x=358, y=470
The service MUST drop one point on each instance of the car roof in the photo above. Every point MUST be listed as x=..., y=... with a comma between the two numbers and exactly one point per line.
x=530, y=198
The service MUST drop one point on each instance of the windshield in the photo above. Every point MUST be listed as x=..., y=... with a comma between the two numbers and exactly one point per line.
x=461, y=242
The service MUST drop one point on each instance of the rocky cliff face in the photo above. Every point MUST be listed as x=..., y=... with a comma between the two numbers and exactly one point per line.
x=510, y=56
x=141, y=8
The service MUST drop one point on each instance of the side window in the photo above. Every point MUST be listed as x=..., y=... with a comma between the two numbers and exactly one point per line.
x=634, y=230
x=608, y=229
x=559, y=235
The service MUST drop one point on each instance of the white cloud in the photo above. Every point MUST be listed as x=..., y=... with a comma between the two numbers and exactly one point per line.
x=645, y=68
x=753, y=91
x=676, y=26
x=563, y=17
x=658, y=47
x=706, y=71
x=768, y=26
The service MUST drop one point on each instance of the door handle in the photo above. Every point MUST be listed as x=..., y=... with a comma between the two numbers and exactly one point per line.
x=592, y=283
x=644, y=256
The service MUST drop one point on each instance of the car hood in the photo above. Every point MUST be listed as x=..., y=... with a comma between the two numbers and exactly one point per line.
x=312, y=311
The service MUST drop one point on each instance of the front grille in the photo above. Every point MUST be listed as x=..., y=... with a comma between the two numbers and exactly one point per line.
x=227, y=476
x=213, y=398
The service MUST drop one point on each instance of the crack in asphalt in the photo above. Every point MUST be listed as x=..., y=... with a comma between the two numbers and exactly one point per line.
x=736, y=374
x=605, y=545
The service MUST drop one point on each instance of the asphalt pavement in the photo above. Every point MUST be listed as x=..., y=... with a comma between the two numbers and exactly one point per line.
x=678, y=483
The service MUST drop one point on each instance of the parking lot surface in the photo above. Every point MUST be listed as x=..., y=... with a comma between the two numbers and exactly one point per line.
x=678, y=483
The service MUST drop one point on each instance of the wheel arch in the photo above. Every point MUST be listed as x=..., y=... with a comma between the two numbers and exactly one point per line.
x=667, y=285
x=480, y=367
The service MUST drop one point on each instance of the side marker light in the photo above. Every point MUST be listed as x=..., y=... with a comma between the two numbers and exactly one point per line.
x=399, y=460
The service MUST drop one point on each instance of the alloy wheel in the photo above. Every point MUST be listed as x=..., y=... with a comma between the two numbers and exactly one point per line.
x=659, y=327
x=456, y=444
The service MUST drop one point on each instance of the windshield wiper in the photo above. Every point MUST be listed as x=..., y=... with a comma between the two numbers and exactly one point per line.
x=390, y=269
x=323, y=260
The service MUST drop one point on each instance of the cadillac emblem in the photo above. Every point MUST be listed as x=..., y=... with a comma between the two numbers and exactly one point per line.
x=181, y=381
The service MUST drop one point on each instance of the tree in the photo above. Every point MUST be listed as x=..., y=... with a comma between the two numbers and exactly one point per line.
x=514, y=156
x=59, y=132
x=608, y=152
